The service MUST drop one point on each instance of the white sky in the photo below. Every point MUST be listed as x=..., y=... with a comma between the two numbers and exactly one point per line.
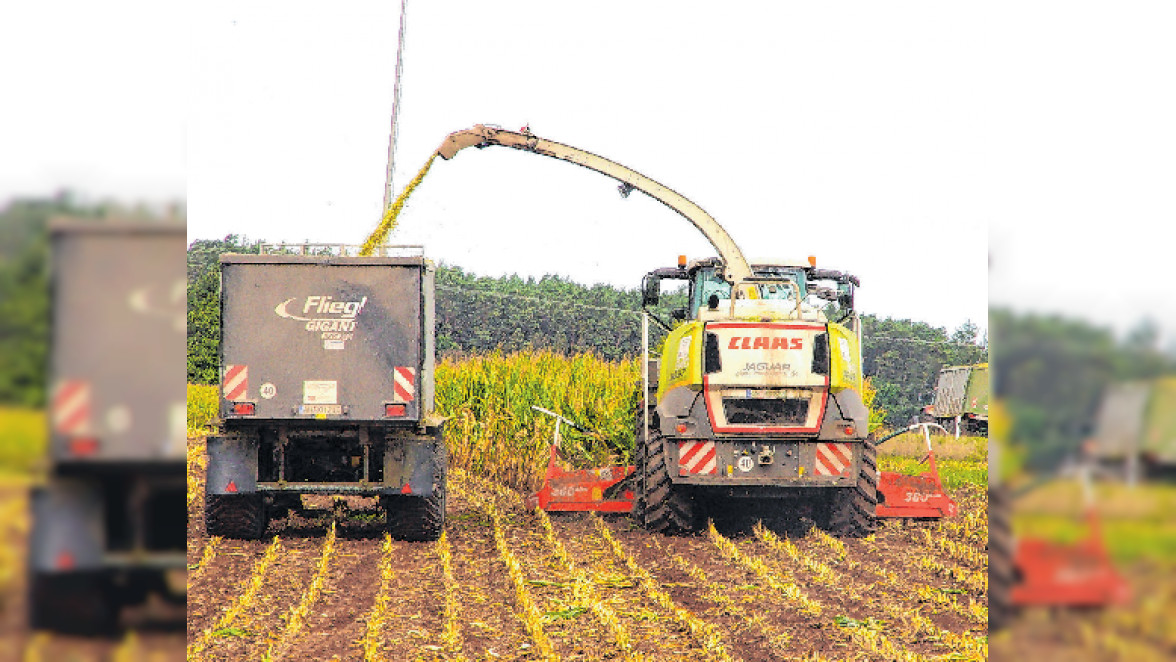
x=893, y=140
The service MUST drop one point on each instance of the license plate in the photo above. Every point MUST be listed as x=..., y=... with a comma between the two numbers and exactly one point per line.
x=328, y=410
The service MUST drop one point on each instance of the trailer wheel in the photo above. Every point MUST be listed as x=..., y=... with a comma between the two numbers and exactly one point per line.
x=662, y=506
x=72, y=603
x=419, y=519
x=1001, y=573
x=235, y=516
x=853, y=511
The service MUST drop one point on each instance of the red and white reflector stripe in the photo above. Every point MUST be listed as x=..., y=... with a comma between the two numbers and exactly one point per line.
x=697, y=457
x=404, y=383
x=833, y=459
x=236, y=382
x=71, y=407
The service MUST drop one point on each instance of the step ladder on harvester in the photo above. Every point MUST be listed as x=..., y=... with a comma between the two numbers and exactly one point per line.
x=915, y=497
x=580, y=490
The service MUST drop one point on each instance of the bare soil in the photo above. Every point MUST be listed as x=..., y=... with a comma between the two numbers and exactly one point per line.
x=492, y=624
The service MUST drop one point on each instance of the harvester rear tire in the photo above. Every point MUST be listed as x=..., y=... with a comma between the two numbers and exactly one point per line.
x=419, y=519
x=662, y=506
x=235, y=516
x=853, y=511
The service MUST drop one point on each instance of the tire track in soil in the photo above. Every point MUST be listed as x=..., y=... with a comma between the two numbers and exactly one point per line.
x=654, y=632
x=414, y=612
x=284, y=582
x=490, y=628
x=894, y=552
x=891, y=550
x=219, y=585
x=654, y=553
x=854, y=595
x=574, y=636
x=336, y=623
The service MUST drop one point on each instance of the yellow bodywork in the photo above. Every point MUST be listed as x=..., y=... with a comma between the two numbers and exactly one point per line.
x=681, y=359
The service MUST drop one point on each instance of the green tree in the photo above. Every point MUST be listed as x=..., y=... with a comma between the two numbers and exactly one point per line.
x=204, y=304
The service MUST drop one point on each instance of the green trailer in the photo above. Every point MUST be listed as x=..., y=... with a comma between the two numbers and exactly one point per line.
x=961, y=399
x=1135, y=429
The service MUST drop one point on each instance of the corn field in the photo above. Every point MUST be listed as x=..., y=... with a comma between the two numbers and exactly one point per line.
x=492, y=430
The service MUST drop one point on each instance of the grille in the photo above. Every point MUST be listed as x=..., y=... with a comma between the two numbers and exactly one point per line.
x=789, y=412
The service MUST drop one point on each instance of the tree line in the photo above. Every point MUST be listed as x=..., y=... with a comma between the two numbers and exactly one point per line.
x=478, y=314
x=1050, y=370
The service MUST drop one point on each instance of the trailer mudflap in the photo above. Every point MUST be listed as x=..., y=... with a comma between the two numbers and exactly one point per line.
x=68, y=524
x=410, y=465
x=232, y=465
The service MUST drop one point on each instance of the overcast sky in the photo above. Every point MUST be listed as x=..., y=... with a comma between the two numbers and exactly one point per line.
x=898, y=141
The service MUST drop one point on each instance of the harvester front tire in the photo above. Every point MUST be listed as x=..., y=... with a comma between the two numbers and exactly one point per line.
x=419, y=519
x=662, y=506
x=235, y=516
x=853, y=511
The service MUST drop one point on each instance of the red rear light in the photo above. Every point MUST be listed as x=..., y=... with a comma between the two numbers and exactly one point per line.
x=64, y=561
x=83, y=446
x=244, y=408
x=395, y=410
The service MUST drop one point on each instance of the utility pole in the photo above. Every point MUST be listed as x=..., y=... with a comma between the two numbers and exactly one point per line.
x=395, y=109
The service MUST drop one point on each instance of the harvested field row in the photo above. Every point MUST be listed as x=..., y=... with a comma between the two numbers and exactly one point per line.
x=510, y=584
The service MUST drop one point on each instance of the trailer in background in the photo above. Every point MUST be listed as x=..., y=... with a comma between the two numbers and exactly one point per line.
x=327, y=389
x=1135, y=429
x=960, y=401
x=110, y=520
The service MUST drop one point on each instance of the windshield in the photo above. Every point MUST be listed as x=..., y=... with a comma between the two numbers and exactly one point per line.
x=707, y=283
x=828, y=294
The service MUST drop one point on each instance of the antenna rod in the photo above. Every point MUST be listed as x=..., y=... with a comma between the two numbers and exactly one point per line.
x=395, y=108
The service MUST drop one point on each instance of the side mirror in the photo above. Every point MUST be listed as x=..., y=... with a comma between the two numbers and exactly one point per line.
x=678, y=313
x=845, y=296
x=650, y=290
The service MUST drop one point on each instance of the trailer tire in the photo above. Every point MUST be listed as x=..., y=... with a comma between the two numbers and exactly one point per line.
x=419, y=519
x=241, y=516
x=72, y=603
x=853, y=511
x=661, y=505
x=1001, y=573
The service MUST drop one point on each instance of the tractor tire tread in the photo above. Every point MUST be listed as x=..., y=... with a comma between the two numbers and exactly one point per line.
x=241, y=516
x=420, y=519
x=664, y=507
x=852, y=511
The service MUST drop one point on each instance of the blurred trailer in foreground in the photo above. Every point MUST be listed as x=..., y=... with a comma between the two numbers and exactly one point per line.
x=109, y=521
